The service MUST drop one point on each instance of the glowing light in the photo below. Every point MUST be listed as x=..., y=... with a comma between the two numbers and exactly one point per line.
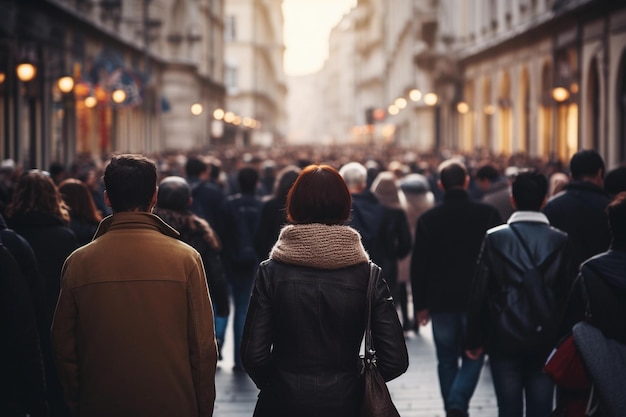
x=430, y=99
x=462, y=107
x=415, y=95
x=393, y=110
x=218, y=114
x=489, y=109
x=560, y=94
x=229, y=117
x=3, y=77
x=119, y=96
x=400, y=103
x=65, y=84
x=196, y=109
x=26, y=71
x=90, y=102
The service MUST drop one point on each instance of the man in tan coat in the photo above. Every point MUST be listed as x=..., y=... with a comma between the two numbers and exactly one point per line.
x=133, y=329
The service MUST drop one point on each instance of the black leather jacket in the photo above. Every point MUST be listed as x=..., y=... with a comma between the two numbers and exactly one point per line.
x=302, y=337
x=501, y=264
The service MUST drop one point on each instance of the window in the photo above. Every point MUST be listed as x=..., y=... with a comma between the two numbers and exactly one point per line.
x=230, y=28
x=230, y=78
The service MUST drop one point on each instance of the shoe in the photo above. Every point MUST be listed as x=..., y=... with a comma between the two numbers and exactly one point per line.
x=456, y=413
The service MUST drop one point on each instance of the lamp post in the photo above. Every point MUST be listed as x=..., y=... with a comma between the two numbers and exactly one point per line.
x=68, y=138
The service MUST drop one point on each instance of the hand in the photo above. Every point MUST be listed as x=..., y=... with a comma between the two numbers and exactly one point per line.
x=423, y=317
x=475, y=353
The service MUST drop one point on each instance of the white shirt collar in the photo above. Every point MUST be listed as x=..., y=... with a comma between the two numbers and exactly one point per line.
x=528, y=216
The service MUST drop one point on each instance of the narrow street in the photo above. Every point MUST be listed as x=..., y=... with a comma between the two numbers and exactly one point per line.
x=416, y=393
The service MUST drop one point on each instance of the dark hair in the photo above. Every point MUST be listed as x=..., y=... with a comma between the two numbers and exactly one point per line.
x=529, y=190
x=285, y=180
x=247, y=178
x=615, y=181
x=174, y=194
x=215, y=168
x=36, y=192
x=319, y=195
x=130, y=182
x=616, y=211
x=194, y=166
x=452, y=173
x=487, y=172
x=585, y=163
x=78, y=197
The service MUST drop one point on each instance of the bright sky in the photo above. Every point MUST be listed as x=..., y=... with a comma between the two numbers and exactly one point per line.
x=306, y=29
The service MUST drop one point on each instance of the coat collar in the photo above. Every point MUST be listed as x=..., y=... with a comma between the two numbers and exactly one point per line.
x=136, y=220
x=528, y=216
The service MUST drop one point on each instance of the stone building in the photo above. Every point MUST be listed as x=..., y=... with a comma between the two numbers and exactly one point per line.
x=254, y=77
x=130, y=73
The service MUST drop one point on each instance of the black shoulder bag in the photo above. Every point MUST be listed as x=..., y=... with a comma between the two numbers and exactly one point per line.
x=376, y=398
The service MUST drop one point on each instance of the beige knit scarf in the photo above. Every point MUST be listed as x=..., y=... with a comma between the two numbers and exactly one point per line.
x=319, y=246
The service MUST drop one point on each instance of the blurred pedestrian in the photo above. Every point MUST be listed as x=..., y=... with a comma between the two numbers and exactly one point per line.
x=240, y=216
x=84, y=216
x=37, y=212
x=369, y=217
x=580, y=210
x=522, y=255
x=208, y=197
x=386, y=191
x=273, y=212
x=495, y=190
x=308, y=308
x=173, y=201
x=417, y=199
x=133, y=329
x=447, y=243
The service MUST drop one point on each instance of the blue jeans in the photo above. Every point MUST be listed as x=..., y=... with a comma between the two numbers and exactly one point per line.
x=241, y=280
x=456, y=381
x=516, y=379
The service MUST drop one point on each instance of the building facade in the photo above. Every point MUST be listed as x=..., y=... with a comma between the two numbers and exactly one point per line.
x=254, y=76
x=131, y=72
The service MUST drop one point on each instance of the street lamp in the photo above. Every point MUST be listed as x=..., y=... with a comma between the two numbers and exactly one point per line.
x=65, y=84
x=3, y=77
x=560, y=94
x=218, y=114
x=196, y=109
x=26, y=71
x=91, y=102
x=400, y=103
x=415, y=95
x=119, y=96
x=462, y=107
x=430, y=99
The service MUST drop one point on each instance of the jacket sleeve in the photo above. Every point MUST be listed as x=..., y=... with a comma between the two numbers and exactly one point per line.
x=478, y=310
x=202, y=345
x=387, y=334
x=256, y=344
x=419, y=267
x=64, y=348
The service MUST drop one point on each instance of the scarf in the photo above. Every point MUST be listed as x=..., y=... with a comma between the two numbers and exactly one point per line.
x=319, y=246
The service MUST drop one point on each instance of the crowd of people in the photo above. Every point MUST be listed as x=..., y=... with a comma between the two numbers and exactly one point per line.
x=276, y=241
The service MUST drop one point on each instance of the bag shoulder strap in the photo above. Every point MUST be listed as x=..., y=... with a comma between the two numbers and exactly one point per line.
x=370, y=352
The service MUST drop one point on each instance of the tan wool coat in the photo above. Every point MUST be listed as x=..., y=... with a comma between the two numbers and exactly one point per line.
x=133, y=330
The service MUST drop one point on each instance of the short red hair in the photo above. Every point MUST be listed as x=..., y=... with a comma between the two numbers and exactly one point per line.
x=319, y=195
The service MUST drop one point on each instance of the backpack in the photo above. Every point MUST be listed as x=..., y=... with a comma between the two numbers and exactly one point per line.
x=527, y=313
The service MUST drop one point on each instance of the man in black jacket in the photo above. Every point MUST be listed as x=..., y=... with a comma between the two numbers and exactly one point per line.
x=517, y=298
x=447, y=241
x=580, y=210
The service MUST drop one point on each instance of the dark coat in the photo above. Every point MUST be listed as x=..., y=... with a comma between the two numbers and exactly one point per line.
x=302, y=337
x=502, y=267
x=273, y=218
x=400, y=246
x=604, y=277
x=83, y=230
x=52, y=242
x=375, y=224
x=207, y=200
x=580, y=211
x=447, y=241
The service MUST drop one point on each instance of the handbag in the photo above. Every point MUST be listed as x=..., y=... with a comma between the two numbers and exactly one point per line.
x=376, y=398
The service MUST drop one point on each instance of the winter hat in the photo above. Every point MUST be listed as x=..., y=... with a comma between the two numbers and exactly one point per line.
x=414, y=184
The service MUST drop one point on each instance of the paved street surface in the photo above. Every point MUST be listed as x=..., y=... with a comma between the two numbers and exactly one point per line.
x=416, y=393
